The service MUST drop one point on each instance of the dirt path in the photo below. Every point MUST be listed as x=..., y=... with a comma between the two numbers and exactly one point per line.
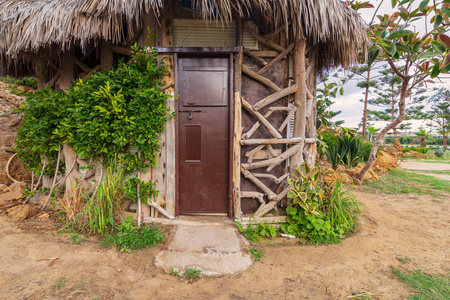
x=422, y=166
x=393, y=227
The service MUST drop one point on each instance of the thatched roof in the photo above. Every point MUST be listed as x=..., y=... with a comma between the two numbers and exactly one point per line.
x=28, y=26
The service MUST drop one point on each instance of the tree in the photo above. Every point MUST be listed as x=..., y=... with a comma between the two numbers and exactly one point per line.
x=422, y=134
x=440, y=112
x=413, y=57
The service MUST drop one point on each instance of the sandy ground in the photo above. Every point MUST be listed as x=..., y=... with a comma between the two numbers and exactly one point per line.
x=393, y=227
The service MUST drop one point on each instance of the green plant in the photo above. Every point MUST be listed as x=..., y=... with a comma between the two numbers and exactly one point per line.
x=422, y=150
x=174, y=272
x=146, y=190
x=439, y=152
x=191, y=274
x=257, y=254
x=256, y=233
x=75, y=238
x=102, y=208
x=24, y=81
x=425, y=286
x=349, y=151
x=321, y=212
x=128, y=237
x=60, y=283
x=113, y=115
x=352, y=150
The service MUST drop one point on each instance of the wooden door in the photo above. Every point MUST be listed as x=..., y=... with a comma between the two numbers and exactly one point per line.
x=204, y=142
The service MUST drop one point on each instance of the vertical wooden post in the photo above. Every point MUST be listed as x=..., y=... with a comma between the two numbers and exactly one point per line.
x=107, y=56
x=237, y=128
x=170, y=155
x=67, y=69
x=299, y=99
x=41, y=72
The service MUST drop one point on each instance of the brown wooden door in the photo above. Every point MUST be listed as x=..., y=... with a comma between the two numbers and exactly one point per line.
x=203, y=119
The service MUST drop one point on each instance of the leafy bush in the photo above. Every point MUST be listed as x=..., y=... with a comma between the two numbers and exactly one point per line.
x=349, y=151
x=128, y=237
x=439, y=152
x=321, y=212
x=24, y=81
x=422, y=150
x=255, y=234
x=103, y=116
x=329, y=138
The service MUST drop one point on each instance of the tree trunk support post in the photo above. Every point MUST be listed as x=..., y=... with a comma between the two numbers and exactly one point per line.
x=299, y=99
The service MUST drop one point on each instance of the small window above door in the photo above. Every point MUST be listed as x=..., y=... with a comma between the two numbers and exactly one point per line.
x=202, y=33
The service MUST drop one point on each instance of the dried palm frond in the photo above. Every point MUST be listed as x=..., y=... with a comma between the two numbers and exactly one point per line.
x=34, y=25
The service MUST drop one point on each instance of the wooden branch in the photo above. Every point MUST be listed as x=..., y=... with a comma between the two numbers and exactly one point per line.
x=277, y=59
x=271, y=151
x=271, y=141
x=266, y=53
x=55, y=78
x=299, y=97
x=274, y=97
x=267, y=82
x=247, y=174
x=272, y=162
x=93, y=69
x=163, y=88
x=265, y=208
x=263, y=40
x=255, y=57
x=261, y=119
x=82, y=65
x=54, y=180
x=255, y=195
x=252, y=152
x=161, y=210
x=272, y=177
x=121, y=50
x=252, y=130
x=288, y=118
x=237, y=128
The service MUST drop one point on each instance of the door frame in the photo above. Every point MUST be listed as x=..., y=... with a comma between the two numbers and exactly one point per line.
x=225, y=52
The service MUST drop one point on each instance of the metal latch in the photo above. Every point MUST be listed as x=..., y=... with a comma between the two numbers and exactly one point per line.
x=190, y=111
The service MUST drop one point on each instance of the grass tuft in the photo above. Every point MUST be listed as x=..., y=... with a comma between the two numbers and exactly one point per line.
x=191, y=274
x=425, y=286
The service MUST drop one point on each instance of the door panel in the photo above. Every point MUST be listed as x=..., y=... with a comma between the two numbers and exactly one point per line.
x=203, y=135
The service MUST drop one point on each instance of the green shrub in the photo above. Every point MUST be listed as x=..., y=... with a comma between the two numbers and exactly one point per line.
x=128, y=237
x=24, y=81
x=191, y=274
x=103, y=116
x=349, y=151
x=256, y=233
x=329, y=138
x=422, y=150
x=320, y=212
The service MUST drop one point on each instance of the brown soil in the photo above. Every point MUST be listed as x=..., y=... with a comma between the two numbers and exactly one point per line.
x=392, y=227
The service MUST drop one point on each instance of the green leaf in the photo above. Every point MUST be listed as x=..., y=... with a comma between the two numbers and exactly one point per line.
x=423, y=4
x=446, y=11
x=391, y=50
x=394, y=3
x=427, y=54
x=436, y=71
x=438, y=47
x=341, y=91
x=399, y=33
x=438, y=21
x=401, y=47
x=373, y=54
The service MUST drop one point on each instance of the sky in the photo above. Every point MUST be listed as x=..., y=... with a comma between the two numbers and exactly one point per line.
x=352, y=108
